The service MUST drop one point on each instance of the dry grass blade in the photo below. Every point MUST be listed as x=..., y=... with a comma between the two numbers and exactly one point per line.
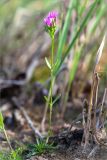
x=100, y=50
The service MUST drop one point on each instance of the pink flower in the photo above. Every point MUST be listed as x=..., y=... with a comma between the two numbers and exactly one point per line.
x=50, y=19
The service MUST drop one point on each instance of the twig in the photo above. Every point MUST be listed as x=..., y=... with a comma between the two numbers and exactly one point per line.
x=93, y=152
x=12, y=82
x=29, y=121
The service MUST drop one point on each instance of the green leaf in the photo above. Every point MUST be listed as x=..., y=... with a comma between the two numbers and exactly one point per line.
x=47, y=62
x=46, y=98
x=83, y=24
x=99, y=15
x=77, y=34
x=1, y=121
x=56, y=99
x=65, y=29
x=56, y=65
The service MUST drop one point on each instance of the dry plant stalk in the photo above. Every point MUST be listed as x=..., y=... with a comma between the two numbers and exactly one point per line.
x=90, y=125
x=100, y=119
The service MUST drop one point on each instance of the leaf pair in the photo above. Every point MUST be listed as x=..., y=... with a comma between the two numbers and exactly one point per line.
x=55, y=100
x=55, y=66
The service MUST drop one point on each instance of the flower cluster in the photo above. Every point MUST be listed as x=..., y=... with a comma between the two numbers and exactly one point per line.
x=50, y=22
x=50, y=19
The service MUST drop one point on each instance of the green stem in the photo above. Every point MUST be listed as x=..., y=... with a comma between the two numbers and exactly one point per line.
x=52, y=83
x=7, y=139
x=52, y=57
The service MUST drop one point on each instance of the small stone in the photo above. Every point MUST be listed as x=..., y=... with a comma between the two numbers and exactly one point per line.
x=53, y=155
x=41, y=158
x=76, y=159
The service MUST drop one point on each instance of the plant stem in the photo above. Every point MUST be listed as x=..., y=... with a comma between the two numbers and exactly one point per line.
x=52, y=56
x=52, y=83
x=7, y=139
